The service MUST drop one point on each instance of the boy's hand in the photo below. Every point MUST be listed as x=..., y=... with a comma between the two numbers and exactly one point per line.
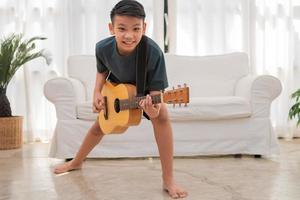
x=98, y=103
x=152, y=110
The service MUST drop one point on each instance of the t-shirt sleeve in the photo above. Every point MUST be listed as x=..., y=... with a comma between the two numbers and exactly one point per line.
x=157, y=75
x=100, y=65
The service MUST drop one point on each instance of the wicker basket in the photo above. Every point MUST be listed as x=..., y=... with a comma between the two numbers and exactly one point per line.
x=11, y=132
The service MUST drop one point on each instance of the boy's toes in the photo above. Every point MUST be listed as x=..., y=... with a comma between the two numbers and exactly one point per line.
x=179, y=194
x=176, y=192
x=182, y=194
x=173, y=195
x=65, y=167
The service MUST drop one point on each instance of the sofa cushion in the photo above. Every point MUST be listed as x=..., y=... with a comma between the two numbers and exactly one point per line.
x=78, y=63
x=212, y=108
x=200, y=108
x=207, y=76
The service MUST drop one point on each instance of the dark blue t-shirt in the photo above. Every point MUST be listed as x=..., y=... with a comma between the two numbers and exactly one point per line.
x=123, y=68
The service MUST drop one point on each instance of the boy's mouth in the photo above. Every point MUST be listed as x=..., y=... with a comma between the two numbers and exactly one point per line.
x=128, y=43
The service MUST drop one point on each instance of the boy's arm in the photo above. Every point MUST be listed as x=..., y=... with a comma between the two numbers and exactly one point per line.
x=98, y=98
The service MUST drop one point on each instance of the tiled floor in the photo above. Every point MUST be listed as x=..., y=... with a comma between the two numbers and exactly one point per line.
x=27, y=174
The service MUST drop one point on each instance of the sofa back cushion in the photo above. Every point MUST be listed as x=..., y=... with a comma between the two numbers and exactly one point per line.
x=207, y=75
x=83, y=68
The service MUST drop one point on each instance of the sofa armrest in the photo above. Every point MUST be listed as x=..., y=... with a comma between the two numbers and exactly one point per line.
x=260, y=90
x=65, y=93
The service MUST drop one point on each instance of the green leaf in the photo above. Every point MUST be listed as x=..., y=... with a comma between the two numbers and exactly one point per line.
x=15, y=52
x=294, y=112
x=35, y=38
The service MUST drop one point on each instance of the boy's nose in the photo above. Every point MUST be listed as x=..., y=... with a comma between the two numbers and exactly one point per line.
x=128, y=35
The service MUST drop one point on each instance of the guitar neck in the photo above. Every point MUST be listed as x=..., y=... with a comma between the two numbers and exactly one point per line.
x=133, y=103
x=175, y=96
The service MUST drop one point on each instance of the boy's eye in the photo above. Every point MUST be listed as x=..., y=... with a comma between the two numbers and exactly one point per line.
x=137, y=29
x=121, y=29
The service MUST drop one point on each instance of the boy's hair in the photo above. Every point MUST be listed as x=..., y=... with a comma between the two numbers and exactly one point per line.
x=128, y=8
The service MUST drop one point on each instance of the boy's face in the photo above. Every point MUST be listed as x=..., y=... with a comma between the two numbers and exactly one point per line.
x=128, y=32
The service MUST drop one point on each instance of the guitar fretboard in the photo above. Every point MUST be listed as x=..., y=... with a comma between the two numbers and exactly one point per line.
x=133, y=103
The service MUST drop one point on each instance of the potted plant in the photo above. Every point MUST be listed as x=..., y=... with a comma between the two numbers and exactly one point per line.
x=294, y=111
x=15, y=51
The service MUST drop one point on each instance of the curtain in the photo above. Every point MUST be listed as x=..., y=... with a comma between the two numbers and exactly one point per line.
x=72, y=27
x=268, y=30
x=273, y=53
x=211, y=26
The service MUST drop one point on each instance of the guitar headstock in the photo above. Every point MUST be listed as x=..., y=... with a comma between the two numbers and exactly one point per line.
x=177, y=96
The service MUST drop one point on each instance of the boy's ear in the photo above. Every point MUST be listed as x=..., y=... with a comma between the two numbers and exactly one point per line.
x=144, y=27
x=111, y=28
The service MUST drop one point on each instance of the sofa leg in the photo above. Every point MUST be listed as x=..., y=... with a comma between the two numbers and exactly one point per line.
x=237, y=156
x=257, y=156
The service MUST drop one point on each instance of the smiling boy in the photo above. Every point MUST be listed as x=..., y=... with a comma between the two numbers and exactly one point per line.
x=116, y=61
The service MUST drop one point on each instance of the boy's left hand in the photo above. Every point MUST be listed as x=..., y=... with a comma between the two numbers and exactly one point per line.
x=151, y=109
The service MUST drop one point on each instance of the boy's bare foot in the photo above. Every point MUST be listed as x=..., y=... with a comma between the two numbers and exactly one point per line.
x=175, y=191
x=65, y=167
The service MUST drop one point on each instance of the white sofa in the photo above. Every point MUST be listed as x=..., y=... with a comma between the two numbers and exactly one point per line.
x=229, y=110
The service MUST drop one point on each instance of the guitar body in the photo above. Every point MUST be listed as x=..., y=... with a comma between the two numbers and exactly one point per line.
x=118, y=121
x=121, y=108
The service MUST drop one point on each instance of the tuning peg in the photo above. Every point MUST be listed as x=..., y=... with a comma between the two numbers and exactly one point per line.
x=185, y=105
x=179, y=104
x=179, y=86
x=173, y=88
x=173, y=105
x=185, y=85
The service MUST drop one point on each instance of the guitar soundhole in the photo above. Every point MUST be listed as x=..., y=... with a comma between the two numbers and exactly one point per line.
x=117, y=105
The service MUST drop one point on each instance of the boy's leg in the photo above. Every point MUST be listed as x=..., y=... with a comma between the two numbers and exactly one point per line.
x=164, y=139
x=93, y=137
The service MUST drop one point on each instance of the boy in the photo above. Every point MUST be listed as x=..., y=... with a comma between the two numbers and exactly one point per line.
x=116, y=61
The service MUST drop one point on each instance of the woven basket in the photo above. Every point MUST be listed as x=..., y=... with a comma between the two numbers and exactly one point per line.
x=11, y=132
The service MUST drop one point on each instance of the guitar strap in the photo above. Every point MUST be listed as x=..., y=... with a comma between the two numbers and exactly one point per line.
x=141, y=66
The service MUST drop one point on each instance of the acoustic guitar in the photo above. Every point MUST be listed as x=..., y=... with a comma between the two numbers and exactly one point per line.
x=121, y=106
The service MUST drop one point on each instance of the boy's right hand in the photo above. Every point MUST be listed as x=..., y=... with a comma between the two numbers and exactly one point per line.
x=98, y=103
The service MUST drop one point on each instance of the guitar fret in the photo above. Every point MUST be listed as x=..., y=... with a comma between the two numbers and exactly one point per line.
x=133, y=103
